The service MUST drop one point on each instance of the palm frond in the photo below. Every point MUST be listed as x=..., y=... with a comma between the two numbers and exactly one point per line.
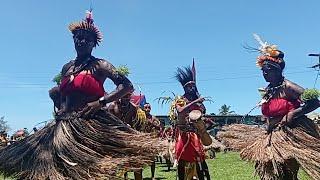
x=164, y=100
x=208, y=99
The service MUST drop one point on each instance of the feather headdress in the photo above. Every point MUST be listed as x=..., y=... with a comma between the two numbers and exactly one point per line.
x=87, y=25
x=185, y=75
x=268, y=52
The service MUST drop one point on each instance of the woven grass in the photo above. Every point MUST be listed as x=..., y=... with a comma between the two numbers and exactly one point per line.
x=75, y=148
x=238, y=136
x=279, y=154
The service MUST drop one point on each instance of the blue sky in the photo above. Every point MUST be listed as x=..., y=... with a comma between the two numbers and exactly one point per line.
x=153, y=38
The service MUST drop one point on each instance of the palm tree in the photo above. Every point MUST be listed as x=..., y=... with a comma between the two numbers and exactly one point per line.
x=225, y=110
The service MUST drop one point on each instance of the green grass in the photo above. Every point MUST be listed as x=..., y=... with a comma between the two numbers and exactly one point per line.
x=2, y=178
x=226, y=166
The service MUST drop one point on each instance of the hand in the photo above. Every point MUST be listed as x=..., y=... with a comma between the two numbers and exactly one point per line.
x=202, y=132
x=264, y=119
x=200, y=126
x=91, y=108
x=286, y=120
x=61, y=111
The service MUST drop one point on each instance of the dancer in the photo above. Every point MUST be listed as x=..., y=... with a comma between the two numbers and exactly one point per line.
x=190, y=129
x=128, y=113
x=124, y=109
x=292, y=140
x=83, y=142
x=153, y=124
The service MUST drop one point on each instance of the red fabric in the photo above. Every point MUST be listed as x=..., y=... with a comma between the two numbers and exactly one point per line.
x=85, y=83
x=19, y=133
x=138, y=99
x=188, y=150
x=278, y=107
x=188, y=145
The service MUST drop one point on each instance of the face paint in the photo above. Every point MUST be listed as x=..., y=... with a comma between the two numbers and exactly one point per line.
x=190, y=89
x=83, y=42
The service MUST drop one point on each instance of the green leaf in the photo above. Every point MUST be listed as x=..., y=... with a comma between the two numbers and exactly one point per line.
x=310, y=94
x=123, y=70
x=57, y=79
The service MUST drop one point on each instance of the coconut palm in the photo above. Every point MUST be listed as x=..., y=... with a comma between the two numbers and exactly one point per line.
x=225, y=110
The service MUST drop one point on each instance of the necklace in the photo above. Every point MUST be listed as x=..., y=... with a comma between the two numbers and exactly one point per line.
x=271, y=91
x=82, y=65
x=78, y=68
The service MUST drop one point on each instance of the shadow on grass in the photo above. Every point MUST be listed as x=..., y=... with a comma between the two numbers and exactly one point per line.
x=167, y=170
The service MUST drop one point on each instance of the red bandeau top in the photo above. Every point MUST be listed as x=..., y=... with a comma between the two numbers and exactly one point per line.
x=85, y=83
x=279, y=107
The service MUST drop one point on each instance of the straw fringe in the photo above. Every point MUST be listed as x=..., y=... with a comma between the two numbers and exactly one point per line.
x=238, y=136
x=74, y=148
x=286, y=149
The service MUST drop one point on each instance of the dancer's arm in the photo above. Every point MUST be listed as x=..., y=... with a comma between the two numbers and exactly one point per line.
x=183, y=109
x=105, y=70
x=294, y=91
x=55, y=96
x=124, y=86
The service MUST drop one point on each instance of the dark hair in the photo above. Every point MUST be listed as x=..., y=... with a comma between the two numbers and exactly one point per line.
x=281, y=55
x=281, y=65
x=184, y=75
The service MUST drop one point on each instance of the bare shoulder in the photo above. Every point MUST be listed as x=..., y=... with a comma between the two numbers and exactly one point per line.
x=105, y=68
x=105, y=64
x=66, y=67
x=293, y=86
x=292, y=89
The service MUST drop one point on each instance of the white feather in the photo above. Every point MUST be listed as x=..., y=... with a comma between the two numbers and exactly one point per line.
x=257, y=38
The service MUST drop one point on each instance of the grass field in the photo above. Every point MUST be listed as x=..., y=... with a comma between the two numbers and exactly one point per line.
x=226, y=166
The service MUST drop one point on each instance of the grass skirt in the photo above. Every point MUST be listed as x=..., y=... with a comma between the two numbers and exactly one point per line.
x=282, y=151
x=71, y=147
x=238, y=136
